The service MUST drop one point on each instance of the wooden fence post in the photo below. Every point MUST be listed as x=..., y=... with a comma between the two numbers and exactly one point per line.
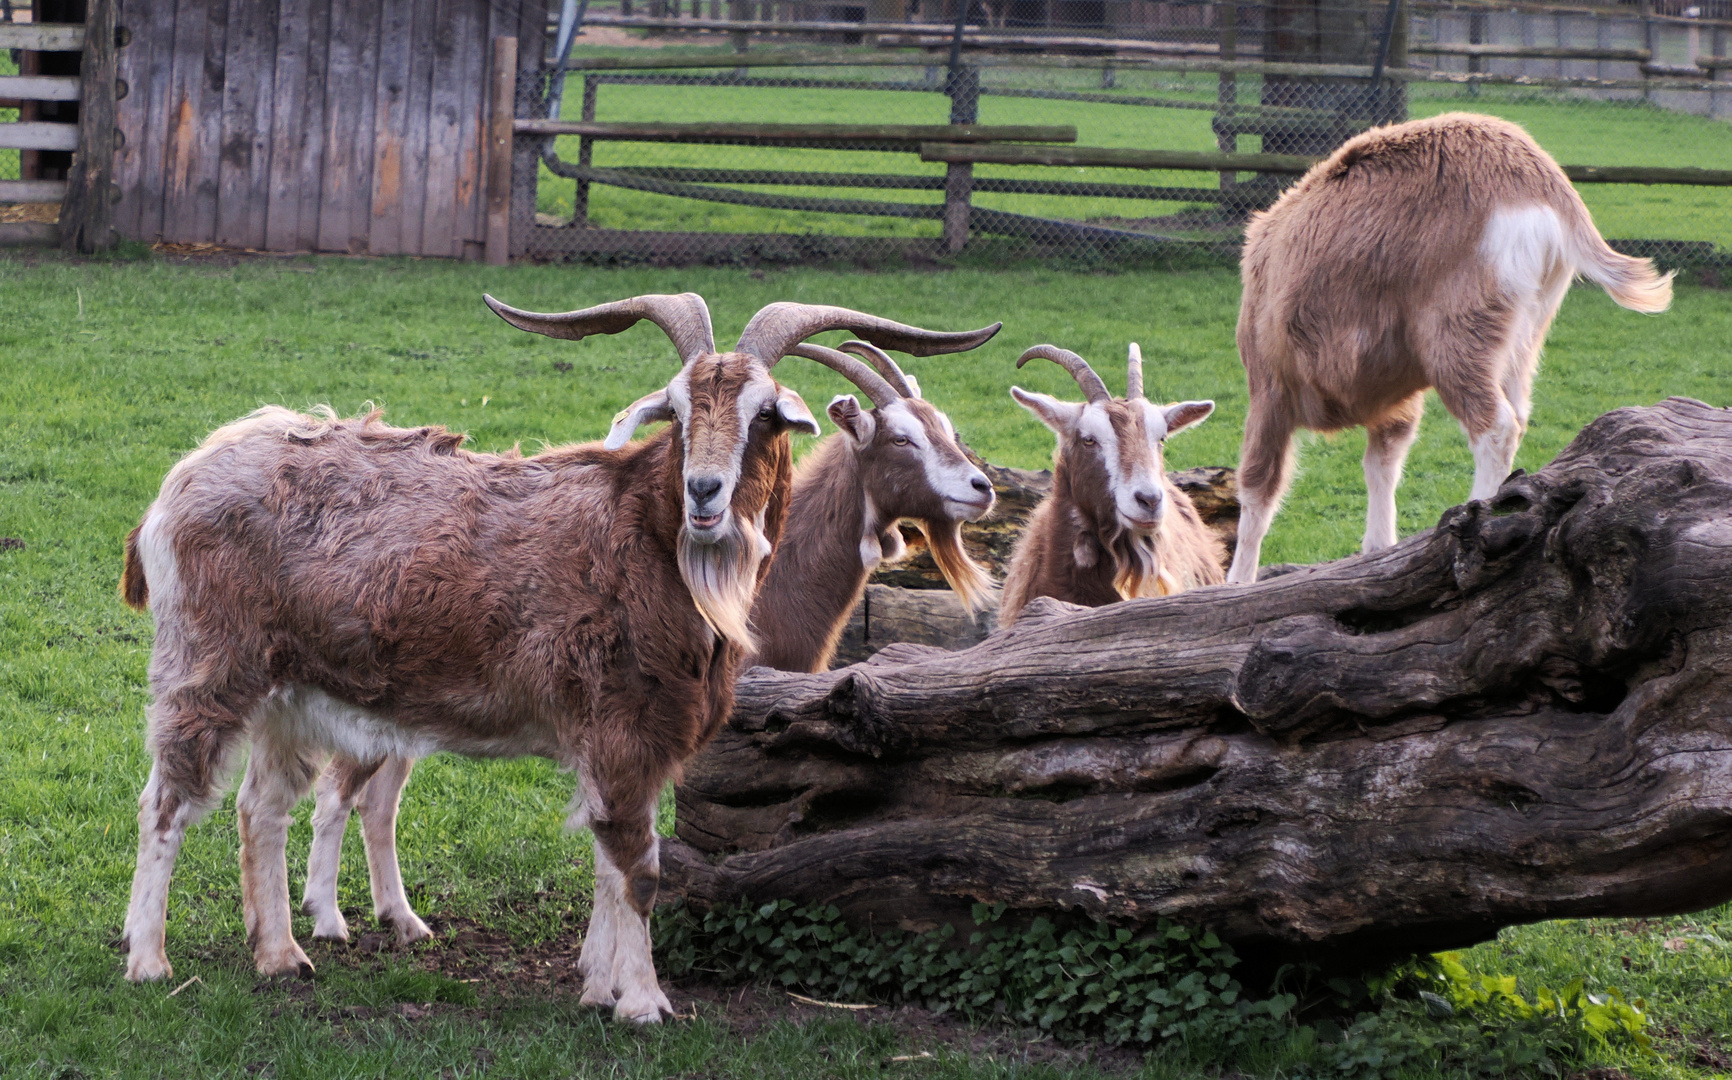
x=499, y=146
x=87, y=211
x=585, y=153
x=964, y=91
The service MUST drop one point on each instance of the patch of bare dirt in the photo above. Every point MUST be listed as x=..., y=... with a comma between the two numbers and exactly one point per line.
x=48, y=212
x=618, y=37
x=497, y=968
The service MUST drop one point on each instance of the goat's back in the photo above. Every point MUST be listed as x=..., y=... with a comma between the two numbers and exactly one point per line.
x=1391, y=230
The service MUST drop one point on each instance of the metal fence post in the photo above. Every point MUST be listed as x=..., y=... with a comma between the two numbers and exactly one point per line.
x=499, y=147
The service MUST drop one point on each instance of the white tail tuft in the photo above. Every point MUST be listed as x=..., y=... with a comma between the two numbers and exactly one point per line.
x=1633, y=283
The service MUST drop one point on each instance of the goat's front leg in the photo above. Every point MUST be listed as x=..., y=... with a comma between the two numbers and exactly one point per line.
x=277, y=776
x=616, y=960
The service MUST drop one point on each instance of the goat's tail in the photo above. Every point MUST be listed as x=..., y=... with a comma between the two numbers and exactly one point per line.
x=133, y=588
x=1632, y=282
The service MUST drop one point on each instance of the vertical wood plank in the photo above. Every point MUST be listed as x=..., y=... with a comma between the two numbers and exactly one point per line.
x=350, y=92
x=470, y=80
x=499, y=150
x=444, y=129
x=289, y=114
x=184, y=148
x=390, y=128
x=310, y=154
x=161, y=109
x=132, y=115
x=412, y=178
x=199, y=222
x=243, y=175
x=87, y=211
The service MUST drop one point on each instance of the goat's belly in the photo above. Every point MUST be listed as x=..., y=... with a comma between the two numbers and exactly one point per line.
x=308, y=717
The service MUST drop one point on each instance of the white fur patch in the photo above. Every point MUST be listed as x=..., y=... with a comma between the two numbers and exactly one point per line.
x=1525, y=247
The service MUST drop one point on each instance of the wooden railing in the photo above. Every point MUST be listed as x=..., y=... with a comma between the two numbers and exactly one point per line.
x=22, y=92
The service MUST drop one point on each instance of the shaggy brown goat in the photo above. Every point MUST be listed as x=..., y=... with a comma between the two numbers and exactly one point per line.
x=899, y=459
x=1114, y=527
x=1428, y=254
x=327, y=586
x=909, y=463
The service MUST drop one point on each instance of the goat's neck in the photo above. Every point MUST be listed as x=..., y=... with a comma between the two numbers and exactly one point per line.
x=834, y=538
x=1090, y=543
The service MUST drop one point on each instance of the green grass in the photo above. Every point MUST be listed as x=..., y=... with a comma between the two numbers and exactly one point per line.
x=112, y=370
x=1576, y=131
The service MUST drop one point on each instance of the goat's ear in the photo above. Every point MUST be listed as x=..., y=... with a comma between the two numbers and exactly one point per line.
x=850, y=417
x=1060, y=416
x=913, y=386
x=1187, y=414
x=792, y=409
x=645, y=410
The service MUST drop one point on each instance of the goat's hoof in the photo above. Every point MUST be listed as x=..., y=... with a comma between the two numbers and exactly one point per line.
x=142, y=968
x=408, y=926
x=330, y=928
x=646, y=1006
x=289, y=963
x=597, y=993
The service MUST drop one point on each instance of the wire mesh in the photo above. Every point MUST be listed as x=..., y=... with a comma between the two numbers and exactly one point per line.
x=1197, y=79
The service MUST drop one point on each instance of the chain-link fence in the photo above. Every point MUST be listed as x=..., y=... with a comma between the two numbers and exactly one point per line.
x=777, y=132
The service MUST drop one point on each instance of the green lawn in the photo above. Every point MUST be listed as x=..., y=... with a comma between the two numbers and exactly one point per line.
x=113, y=370
x=1576, y=131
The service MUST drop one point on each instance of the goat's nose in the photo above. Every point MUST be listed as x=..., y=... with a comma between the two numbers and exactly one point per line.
x=982, y=485
x=1149, y=499
x=703, y=488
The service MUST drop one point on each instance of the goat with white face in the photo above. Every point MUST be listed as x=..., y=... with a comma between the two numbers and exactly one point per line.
x=1431, y=254
x=898, y=459
x=325, y=586
x=1114, y=527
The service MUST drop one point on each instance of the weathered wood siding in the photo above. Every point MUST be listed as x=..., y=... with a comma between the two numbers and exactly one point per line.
x=312, y=125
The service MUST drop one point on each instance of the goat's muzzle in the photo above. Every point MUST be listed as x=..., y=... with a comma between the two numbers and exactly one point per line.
x=706, y=501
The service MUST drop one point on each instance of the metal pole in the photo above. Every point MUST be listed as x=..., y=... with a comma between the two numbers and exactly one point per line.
x=1375, y=98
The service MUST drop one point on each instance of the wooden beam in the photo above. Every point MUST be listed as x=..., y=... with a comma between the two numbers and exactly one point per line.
x=29, y=234
x=38, y=135
x=39, y=87
x=19, y=191
x=502, y=110
x=1115, y=158
x=87, y=212
x=42, y=37
x=777, y=134
x=729, y=26
x=1714, y=63
x=931, y=38
x=1642, y=174
x=1534, y=52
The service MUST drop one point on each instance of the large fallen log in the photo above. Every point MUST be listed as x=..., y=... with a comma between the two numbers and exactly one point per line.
x=1523, y=713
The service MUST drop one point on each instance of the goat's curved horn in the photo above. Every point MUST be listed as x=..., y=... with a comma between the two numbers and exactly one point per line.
x=869, y=381
x=1079, y=369
x=775, y=330
x=1134, y=373
x=684, y=318
x=886, y=366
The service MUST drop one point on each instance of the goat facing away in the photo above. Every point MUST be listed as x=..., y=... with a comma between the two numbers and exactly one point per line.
x=325, y=586
x=1113, y=527
x=1430, y=254
x=898, y=459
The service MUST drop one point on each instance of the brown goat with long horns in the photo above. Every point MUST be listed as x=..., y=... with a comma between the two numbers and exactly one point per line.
x=1427, y=254
x=325, y=586
x=1113, y=527
x=900, y=460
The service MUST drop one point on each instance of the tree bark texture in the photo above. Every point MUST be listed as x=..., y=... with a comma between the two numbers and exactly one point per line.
x=1520, y=714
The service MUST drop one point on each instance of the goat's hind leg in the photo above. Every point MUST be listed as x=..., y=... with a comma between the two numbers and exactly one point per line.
x=334, y=796
x=192, y=749
x=378, y=805
x=628, y=869
x=278, y=775
x=1265, y=470
x=1386, y=445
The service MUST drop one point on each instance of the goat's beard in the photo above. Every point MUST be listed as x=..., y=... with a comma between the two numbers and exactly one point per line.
x=973, y=586
x=1137, y=569
x=723, y=578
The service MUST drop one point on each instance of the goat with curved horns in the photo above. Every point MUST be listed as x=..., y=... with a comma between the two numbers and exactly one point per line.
x=1113, y=527
x=927, y=478
x=898, y=459
x=327, y=586
x=1428, y=254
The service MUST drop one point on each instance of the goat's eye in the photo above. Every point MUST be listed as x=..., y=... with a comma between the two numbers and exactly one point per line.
x=1088, y=440
x=767, y=413
x=900, y=440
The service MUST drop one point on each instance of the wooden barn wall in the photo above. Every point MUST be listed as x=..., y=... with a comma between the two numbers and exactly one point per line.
x=312, y=125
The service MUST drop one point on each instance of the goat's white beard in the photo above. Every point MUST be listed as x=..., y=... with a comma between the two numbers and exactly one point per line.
x=723, y=579
x=1138, y=570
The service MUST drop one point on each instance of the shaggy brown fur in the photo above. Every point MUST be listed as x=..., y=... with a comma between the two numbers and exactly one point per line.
x=1427, y=254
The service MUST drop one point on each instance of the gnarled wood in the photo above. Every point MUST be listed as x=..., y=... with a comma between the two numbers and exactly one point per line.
x=1523, y=713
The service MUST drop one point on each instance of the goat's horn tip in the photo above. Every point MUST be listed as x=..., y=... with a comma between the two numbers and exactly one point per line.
x=1030, y=353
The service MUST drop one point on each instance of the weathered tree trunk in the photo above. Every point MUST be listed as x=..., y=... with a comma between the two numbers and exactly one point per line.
x=1523, y=713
